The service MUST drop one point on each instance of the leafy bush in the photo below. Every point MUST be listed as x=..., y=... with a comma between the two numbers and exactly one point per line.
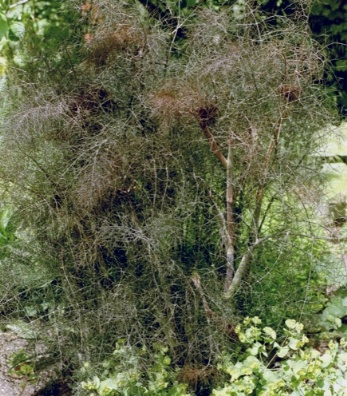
x=334, y=313
x=161, y=159
x=270, y=368
x=123, y=374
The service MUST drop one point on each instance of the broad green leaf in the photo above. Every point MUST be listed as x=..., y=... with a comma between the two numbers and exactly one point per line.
x=109, y=384
x=22, y=329
x=16, y=31
x=294, y=343
x=256, y=320
x=290, y=323
x=282, y=351
x=294, y=325
x=298, y=367
x=270, y=376
x=320, y=383
x=3, y=26
x=96, y=381
x=336, y=308
x=270, y=332
x=255, y=348
x=326, y=359
x=251, y=362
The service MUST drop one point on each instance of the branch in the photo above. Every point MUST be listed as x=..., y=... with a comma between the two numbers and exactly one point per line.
x=19, y=3
x=257, y=210
x=272, y=148
x=241, y=270
x=230, y=237
x=215, y=147
x=196, y=282
x=266, y=211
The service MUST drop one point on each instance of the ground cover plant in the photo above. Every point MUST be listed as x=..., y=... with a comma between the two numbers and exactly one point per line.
x=266, y=366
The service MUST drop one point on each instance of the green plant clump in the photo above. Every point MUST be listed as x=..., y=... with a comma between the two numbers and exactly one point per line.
x=270, y=368
x=123, y=374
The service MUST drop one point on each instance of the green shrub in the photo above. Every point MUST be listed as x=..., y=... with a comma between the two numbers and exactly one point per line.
x=269, y=368
x=123, y=374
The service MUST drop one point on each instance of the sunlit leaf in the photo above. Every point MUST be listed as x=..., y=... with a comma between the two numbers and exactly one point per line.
x=282, y=352
x=292, y=324
x=270, y=332
x=294, y=343
x=16, y=31
x=326, y=359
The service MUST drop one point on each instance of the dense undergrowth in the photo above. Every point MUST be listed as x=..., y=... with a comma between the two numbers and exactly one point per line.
x=160, y=179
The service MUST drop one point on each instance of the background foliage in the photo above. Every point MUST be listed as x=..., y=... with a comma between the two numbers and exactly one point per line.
x=328, y=22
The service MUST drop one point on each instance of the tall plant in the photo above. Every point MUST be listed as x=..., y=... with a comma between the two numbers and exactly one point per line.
x=159, y=160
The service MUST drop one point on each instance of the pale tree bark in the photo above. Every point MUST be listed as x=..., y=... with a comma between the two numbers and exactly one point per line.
x=271, y=154
x=230, y=224
x=240, y=272
x=234, y=277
